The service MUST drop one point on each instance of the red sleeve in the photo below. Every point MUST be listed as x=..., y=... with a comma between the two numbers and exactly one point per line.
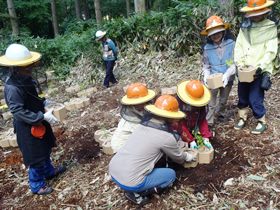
x=204, y=129
x=185, y=133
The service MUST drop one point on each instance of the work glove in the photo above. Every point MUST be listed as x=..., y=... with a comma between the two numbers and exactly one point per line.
x=207, y=143
x=48, y=116
x=190, y=157
x=266, y=82
x=225, y=80
x=193, y=145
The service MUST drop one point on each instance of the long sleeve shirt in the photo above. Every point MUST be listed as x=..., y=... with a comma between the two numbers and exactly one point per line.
x=138, y=156
x=110, y=50
x=257, y=46
x=222, y=58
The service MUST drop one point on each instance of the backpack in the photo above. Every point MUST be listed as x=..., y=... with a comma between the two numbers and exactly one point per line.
x=117, y=48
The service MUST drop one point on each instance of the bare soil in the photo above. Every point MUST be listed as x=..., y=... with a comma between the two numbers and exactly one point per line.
x=86, y=184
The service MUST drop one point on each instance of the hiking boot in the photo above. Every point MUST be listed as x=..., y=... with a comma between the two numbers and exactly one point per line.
x=261, y=127
x=57, y=171
x=44, y=190
x=136, y=198
x=240, y=124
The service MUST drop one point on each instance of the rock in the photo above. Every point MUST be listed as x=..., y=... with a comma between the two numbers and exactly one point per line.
x=229, y=182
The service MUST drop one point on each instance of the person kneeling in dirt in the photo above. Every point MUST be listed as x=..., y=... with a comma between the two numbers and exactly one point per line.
x=256, y=47
x=195, y=96
x=31, y=124
x=132, y=111
x=132, y=168
x=218, y=58
x=110, y=54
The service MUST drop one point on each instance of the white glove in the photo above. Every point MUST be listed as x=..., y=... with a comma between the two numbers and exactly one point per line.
x=225, y=79
x=207, y=143
x=189, y=157
x=193, y=145
x=48, y=116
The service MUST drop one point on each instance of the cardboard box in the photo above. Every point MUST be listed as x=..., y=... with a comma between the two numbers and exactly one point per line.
x=106, y=148
x=87, y=92
x=73, y=89
x=246, y=74
x=4, y=143
x=60, y=113
x=205, y=155
x=169, y=91
x=7, y=115
x=13, y=142
x=86, y=101
x=215, y=81
x=3, y=101
x=70, y=106
x=191, y=164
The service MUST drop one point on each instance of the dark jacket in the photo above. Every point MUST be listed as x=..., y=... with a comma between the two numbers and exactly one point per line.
x=27, y=109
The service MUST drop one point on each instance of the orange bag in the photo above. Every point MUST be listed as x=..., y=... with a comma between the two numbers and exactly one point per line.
x=38, y=131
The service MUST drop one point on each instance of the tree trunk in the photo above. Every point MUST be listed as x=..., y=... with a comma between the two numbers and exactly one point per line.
x=54, y=18
x=86, y=9
x=13, y=17
x=78, y=9
x=139, y=6
x=127, y=7
x=97, y=11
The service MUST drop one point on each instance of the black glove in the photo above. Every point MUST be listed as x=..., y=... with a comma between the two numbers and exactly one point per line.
x=266, y=82
x=258, y=73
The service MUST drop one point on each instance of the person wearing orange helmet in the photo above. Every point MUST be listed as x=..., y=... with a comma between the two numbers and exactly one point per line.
x=218, y=58
x=256, y=47
x=194, y=96
x=133, y=167
x=132, y=112
x=35, y=137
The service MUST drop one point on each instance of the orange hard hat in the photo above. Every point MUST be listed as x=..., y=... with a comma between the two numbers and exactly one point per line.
x=253, y=5
x=38, y=131
x=136, y=90
x=213, y=21
x=167, y=103
x=214, y=24
x=195, y=89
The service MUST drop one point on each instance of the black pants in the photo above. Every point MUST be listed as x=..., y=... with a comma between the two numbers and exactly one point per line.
x=109, y=73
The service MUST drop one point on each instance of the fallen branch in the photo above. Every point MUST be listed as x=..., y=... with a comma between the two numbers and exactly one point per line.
x=233, y=159
x=272, y=153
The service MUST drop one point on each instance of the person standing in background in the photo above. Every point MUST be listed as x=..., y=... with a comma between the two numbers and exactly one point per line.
x=110, y=53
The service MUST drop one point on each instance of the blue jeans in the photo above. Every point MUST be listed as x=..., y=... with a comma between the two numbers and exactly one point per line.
x=252, y=95
x=38, y=173
x=159, y=177
x=109, y=73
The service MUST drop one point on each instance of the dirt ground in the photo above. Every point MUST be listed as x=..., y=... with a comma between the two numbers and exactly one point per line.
x=245, y=172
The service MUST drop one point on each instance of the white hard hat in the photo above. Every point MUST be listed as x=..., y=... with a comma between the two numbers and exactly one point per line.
x=100, y=34
x=19, y=55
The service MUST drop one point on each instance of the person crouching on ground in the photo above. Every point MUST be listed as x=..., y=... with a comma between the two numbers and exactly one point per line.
x=132, y=111
x=133, y=166
x=31, y=124
x=194, y=98
x=256, y=46
x=218, y=58
x=109, y=57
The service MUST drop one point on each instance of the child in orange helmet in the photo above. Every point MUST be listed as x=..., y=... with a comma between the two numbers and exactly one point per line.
x=194, y=96
x=218, y=58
